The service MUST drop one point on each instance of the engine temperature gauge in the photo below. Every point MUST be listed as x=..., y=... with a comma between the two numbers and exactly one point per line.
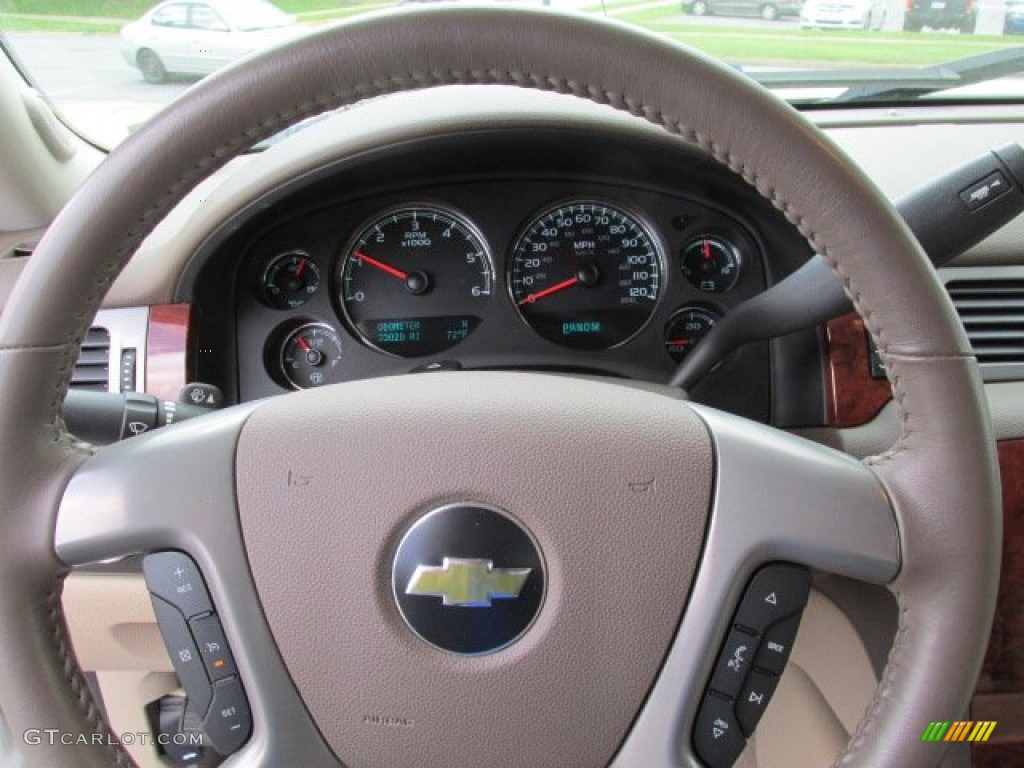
x=309, y=355
x=686, y=327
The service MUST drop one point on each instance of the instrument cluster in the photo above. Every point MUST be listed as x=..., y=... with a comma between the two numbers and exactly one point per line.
x=418, y=280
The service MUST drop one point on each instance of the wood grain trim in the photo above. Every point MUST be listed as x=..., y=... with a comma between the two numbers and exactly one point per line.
x=852, y=397
x=1007, y=709
x=167, y=349
x=1000, y=693
x=997, y=755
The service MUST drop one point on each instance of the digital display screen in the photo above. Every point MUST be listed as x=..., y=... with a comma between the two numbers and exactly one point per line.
x=417, y=336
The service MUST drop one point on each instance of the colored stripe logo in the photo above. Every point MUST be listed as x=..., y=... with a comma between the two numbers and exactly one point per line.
x=959, y=730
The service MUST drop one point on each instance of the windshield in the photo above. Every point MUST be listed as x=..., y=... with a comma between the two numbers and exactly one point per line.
x=108, y=65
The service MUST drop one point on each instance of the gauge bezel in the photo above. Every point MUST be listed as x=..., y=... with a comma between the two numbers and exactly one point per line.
x=290, y=332
x=653, y=234
x=727, y=239
x=275, y=259
x=338, y=271
x=709, y=308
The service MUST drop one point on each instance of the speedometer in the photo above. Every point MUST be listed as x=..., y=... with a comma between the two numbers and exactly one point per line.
x=586, y=275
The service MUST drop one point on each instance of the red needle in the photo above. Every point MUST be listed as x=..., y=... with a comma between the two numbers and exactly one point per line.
x=381, y=265
x=548, y=291
x=302, y=266
x=303, y=343
x=678, y=342
x=707, y=249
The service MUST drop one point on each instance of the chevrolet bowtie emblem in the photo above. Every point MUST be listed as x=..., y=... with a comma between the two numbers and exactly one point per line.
x=467, y=582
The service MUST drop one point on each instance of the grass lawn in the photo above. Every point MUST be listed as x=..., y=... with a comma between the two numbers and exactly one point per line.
x=14, y=24
x=114, y=9
x=787, y=44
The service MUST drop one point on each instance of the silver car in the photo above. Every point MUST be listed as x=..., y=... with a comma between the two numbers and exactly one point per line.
x=197, y=38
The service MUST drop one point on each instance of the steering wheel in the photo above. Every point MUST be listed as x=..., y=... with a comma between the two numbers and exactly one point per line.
x=648, y=514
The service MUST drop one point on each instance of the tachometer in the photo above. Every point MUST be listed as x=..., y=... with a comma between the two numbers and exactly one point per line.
x=415, y=280
x=586, y=275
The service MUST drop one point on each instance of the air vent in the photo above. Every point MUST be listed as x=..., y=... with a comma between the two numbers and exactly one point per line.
x=992, y=311
x=92, y=370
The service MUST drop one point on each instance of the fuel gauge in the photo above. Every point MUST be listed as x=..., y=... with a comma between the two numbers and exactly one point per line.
x=309, y=354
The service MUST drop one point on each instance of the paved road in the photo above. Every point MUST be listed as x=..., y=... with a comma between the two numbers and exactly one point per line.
x=105, y=97
x=100, y=88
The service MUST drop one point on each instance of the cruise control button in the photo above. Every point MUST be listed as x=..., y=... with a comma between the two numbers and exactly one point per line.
x=754, y=698
x=734, y=661
x=775, y=592
x=213, y=647
x=776, y=645
x=716, y=734
x=184, y=655
x=229, y=722
x=173, y=577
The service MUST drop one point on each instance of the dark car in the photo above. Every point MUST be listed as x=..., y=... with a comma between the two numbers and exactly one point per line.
x=941, y=14
x=769, y=10
x=1013, y=22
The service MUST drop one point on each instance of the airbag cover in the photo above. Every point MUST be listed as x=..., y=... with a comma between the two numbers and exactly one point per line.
x=613, y=482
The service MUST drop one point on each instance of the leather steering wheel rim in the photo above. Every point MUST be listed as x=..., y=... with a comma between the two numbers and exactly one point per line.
x=940, y=476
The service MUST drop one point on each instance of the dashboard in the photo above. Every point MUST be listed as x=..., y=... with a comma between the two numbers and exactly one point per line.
x=559, y=250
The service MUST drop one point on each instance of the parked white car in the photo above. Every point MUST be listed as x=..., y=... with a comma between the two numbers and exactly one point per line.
x=197, y=38
x=842, y=14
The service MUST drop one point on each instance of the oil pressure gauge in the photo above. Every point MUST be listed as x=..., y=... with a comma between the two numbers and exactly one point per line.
x=289, y=280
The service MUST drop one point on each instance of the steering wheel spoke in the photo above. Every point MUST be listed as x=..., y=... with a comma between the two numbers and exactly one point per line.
x=777, y=498
x=174, y=490
x=781, y=497
x=171, y=489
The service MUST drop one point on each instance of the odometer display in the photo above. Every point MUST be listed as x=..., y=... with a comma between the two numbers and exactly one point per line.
x=585, y=275
x=414, y=281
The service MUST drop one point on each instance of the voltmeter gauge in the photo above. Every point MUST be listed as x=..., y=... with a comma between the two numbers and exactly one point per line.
x=711, y=263
x=686, y=327
x=309, y=356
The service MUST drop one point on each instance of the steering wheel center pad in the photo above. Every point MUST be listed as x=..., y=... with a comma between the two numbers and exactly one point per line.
x=618, y=514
